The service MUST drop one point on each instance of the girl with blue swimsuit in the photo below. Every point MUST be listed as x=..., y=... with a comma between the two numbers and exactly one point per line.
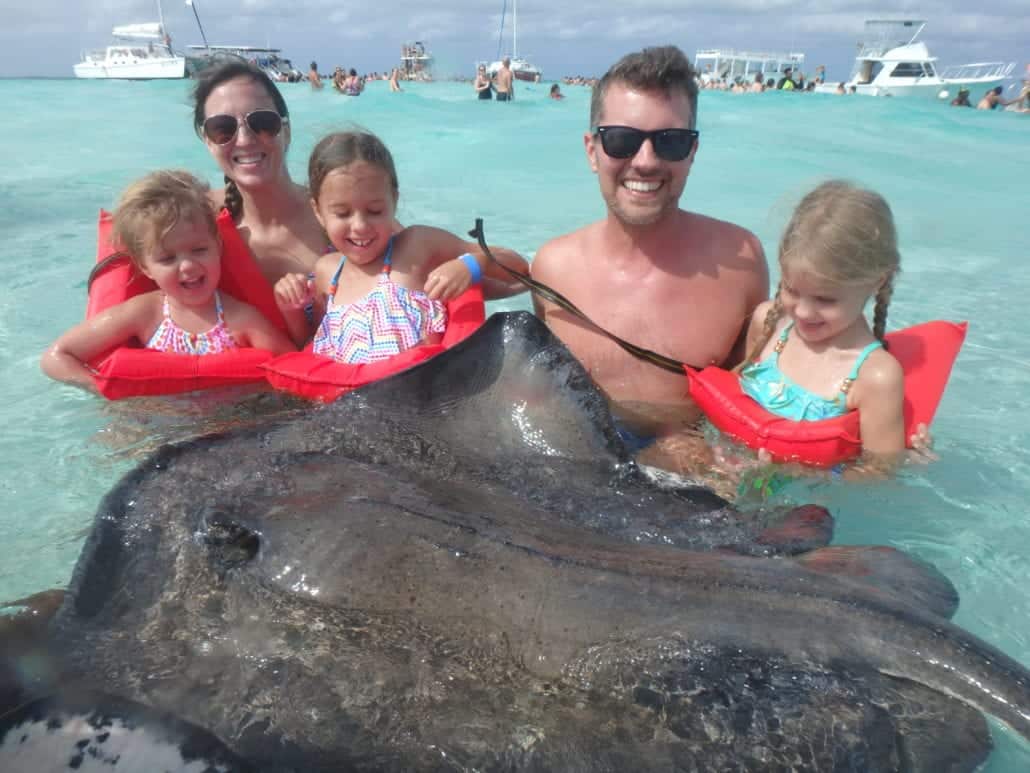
x=812, y=353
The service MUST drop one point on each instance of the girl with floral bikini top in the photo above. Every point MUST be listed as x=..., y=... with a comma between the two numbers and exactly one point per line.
x=167, y=225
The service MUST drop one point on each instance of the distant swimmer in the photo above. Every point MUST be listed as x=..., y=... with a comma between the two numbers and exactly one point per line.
x=991, y=99
x=962, y=99
x=786, y=83
x=556, y=92
x=352, y=86
x=313, y=77
x=394, y=85
x=504, y=82
x=482, y=84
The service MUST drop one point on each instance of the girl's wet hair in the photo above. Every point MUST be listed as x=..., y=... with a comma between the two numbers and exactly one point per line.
x=842, y=234
x=210, y=79
x=341, y=149
x=153, y=205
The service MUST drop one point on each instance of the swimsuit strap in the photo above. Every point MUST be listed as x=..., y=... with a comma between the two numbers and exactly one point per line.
x=218, y=308
x=782, y=342
x=334, y=285
x=164, y=307
x=845, y=385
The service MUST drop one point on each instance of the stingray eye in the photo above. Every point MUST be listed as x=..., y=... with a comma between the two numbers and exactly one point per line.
x=235, y=543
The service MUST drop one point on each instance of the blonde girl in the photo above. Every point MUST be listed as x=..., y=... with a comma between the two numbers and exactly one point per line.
x=812, y=354
x=167, y=224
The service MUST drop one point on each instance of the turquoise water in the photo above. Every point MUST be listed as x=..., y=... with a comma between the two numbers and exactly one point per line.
x=955, y=178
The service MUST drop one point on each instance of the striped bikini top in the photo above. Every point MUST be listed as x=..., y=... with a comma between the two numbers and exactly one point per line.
x=769, y=387
x=387, y=321
x=171, y=338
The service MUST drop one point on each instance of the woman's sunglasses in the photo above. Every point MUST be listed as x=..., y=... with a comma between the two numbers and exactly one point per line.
x=668, y=144
x=222, y=128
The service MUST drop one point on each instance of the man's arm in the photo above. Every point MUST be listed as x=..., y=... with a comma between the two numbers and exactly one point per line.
x=757, y=292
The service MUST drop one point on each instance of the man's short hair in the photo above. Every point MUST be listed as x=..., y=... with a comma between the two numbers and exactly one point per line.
x=661, y=69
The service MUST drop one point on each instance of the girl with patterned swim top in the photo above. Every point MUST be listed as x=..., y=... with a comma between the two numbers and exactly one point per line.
x=166, y=223
x=383, y=291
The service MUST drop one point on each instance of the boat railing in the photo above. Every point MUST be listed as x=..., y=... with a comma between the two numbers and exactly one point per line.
x=978, y=70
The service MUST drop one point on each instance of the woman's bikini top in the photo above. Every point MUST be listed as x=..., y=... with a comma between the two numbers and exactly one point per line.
x=767, y=385
x=171, y=338
x=387, y=321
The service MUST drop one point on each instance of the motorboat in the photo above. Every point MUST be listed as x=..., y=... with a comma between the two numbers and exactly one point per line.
x=521, y=68
x=139, y=52
x=891, y=62
x=199, y=58
x=728, y=64
x=416, y=62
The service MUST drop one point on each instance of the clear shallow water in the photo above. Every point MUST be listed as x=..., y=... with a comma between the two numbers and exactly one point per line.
x=956, y=180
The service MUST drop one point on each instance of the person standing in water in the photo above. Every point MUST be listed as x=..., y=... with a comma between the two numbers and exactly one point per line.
x=504, y=82
x=482, y=84
x=313, y=77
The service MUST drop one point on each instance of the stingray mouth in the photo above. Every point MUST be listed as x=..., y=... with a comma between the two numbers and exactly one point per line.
x=232, y=543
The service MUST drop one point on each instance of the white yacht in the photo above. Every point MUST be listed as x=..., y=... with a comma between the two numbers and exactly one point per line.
x=139, y=52
x=892, y=63
x=521, y=68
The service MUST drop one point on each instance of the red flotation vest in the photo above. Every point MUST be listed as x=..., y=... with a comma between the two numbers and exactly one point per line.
x=316, y=377
x=132, y=371
x=926, y=353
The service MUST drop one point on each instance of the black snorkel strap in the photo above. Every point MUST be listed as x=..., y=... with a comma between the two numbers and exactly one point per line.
x=656, y=359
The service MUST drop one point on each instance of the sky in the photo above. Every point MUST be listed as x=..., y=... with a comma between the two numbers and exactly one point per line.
x=562, y=37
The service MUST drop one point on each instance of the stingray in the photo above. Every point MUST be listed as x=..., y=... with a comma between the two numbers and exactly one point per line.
x=461, y=568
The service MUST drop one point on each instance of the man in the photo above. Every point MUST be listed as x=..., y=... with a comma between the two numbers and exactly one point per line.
x=786, y=83
x=504, y=82
x=674, y=281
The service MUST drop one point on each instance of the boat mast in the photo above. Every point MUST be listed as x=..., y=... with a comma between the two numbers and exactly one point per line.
x=515, y=29
x=201, y=26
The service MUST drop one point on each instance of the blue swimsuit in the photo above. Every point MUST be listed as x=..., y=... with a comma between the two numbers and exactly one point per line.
x=770, y=388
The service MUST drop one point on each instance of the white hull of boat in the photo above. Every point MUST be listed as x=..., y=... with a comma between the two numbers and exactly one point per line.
x=169, y=67
x=928, y=89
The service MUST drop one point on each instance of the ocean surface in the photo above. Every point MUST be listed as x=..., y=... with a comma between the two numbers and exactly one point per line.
x=956, y=180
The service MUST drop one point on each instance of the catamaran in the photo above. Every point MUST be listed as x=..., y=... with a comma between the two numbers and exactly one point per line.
x=140, y=52
x=892, y=63
x=521, y=68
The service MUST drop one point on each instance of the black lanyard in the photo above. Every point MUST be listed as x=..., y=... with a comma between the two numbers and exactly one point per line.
x=659, y=360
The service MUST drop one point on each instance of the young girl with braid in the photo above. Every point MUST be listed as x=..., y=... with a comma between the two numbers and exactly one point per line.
x=811, y=352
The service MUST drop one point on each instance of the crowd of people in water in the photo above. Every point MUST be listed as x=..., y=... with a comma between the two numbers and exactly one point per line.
x=500, y=85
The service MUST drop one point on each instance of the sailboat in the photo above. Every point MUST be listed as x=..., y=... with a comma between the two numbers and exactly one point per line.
x=521, y=68
x=139, y=52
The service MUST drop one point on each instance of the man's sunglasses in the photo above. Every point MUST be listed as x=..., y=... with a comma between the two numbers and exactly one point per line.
x=668, y=144
x=222, y=128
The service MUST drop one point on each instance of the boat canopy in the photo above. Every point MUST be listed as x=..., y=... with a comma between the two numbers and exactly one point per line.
x=235, y=49
x=148, y=31
x=881, y=35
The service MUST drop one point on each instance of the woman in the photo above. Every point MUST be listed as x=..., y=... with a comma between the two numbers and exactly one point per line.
x=482, y=83
x=244, y=122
